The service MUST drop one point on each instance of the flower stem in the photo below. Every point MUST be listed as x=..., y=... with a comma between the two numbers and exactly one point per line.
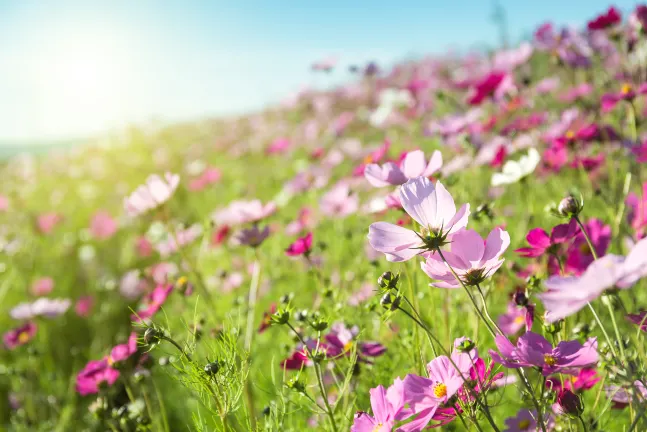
x=485, y=309
x=582, y=421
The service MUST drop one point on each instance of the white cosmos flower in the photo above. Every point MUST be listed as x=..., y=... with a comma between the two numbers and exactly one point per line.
x=513, y=171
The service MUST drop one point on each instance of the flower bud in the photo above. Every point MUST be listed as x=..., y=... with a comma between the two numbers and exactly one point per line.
x=151, y=336
x=286, y=298
x=319, y=324
x=570, y=403
x=296, y=385
x=553, y=328
x=388, y=280
x=466, y=345
x=520, y=298
x=390, y=301
x=301, y=315
x=569, y=207
x=319, y=356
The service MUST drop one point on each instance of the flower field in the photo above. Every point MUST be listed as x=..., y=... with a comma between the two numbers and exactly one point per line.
x=455, y=242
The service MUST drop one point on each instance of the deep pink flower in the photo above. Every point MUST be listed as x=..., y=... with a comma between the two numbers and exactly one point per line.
x=208, y=177
x=637, y=209
x=605, y=20
x=122, y=352
x=144, y=247
x=94, y=375
x=83, y=306
x=297, y=360
x=579, y=255
x=588, y=163
x=495, y=85
x=20, y=335
x=302, y=222
x=541, y=243
x=154, y=302
x=267, y=318
x=640, y=319
x=412, y=165
x=340, y=341
x=432, y=207
x=555, y=157
x=386, y=404
x=155, y=192
x=586, y=379
x=220, y=235
x=373, y=157
x=471, y=257
x=42, y=286
x=626, y=93
x=339, y=201
x=300, y=246
x=46, y=222
x=102, y=226
x=533, y=350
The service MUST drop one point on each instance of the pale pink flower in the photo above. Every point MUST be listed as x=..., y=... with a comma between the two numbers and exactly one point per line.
x=413, y=165
x=339, y=201
x=178, y=239
x=102, y=226
x=46, y=222
x=472, y=258
x=42, y=286
x=4, y=203
x=241, y=212
x=155, y=192
x=432, y=207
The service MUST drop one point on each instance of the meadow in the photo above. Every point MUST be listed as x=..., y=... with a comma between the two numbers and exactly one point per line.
x=456, y=242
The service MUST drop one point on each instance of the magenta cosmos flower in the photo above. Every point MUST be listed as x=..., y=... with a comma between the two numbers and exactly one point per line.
x=471, y=257
x=155, y=192
x=300, y=246
x=640, y=319
x=386, y=405
x=433, y=208
x=540, y=242
x=154, y=302
x=340, y=341
x=42, y=286
x=413, y=165
x=533, y=350
x=627, y=93
x=95, y=374
x=122, y=352
x=496, y=84
x=605, y=20
x=20, y=335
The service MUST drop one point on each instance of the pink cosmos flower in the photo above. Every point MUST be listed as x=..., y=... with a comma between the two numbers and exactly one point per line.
x=49, y=308
x=374, y=156
x=637, y=213
x=131, y=285
x=413, y=165
x=340, y=340
x=178, y=239
x=102, y=226
x=541, y=243
x=241, y=212
x=95, y=373
x=365, y=292
x=122, y=352
x=208, y=177
x=42, y=286
x=144, y=247
x=277, y=146
x=300, y=246
x=640, y=319
x=154, y=303
x=303, y=222
x=20, y=335
x=626, y=93
x=496, y=84
x=577, y=92
x=387, y=406
x=605, y=20
x=232, y=281
x=155, y=192
x=623, y=396
x=579, y=256
x=526, y=421
x=472, y=258
x=513, y=320
x=432, y=207
x=533, y=350
x=253, y=236
x=339, y=201
x=586, y=379
x=219, y=236
x=567, y=295
x=46, y=222
x=4, y=203
x=83, y=306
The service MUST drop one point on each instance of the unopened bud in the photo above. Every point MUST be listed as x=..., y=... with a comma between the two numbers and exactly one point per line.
x=553, y=328
x=569, y=207
x=296, y=385
x=388, y=280
x=570, y=403
x=152, y=336
x=319, y=324
x=520, y=298
x=390, y=301
x=212, y=368
x=466, y=345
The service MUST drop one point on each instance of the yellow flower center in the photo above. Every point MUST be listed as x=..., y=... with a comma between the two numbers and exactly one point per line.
x=368, y=159
x=550, y=360
x=110, y=361
x=519, y=320
x=181, y=281
x=570, y=134
x=523, y=424
x=378, y=427
x=348, y=346
x=23, y=337
x=440, y=390
x=626, y=89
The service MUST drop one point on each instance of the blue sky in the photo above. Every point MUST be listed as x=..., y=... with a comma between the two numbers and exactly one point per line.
x=73, y=68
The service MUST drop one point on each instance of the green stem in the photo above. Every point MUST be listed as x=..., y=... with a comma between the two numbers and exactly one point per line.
x=582, y=421
x=485, y=309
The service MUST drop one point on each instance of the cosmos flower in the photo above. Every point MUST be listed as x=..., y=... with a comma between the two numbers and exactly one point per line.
x=178, y=239
x=413, y=165
x=496, y=84
x=386, y=404
x=49, y=308
x=471, y=257
x=340, y=340
x=541, y=243
x=122, y=352
x=95, y=374
x=241, y=212
x=640, y=319
x=42, y=286
x=154, y=302
x=526, y=421
x=513, y=171
x=209, y=176
x=605, y=20
x=20, y=335
x=253, y=236
x=533, y=350
x=433, y=208
x=513, y=320
x=339, y=201
x=627, y=93
x=155, y=192
x=300, y=246
x=585, y=379
x=46, y=222
x=102, y=225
